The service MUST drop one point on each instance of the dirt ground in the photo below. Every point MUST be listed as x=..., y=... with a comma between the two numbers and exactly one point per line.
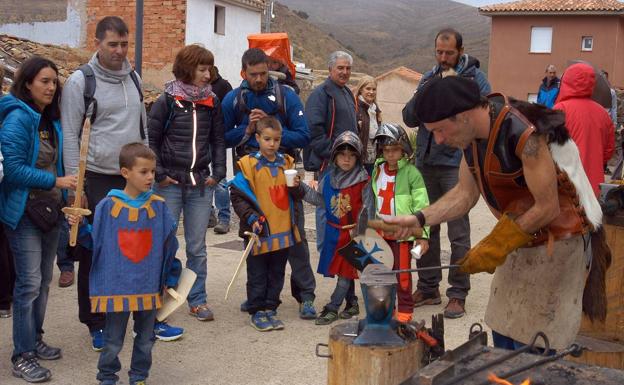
x=228, y=351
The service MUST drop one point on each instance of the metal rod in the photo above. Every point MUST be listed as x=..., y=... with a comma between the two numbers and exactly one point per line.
x=138, y=44
x=415, y=270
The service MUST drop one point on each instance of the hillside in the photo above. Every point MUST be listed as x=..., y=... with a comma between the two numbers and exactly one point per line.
x=310, y=44
x=389, y=33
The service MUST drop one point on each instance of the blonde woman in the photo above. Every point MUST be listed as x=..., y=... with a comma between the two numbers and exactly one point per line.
x=368, y=119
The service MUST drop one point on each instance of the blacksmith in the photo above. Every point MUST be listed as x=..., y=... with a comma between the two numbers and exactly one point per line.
x=520, y=158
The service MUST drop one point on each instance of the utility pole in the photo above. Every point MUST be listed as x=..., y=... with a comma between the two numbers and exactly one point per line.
x=268, y=16
x=138, y=43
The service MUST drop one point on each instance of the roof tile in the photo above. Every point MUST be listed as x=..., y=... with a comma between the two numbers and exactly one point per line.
x=555, y=6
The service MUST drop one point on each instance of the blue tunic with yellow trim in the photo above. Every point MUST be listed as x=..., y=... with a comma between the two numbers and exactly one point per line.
x=134, y=248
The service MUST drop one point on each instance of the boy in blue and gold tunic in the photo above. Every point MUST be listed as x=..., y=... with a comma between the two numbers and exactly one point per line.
x=134, y=246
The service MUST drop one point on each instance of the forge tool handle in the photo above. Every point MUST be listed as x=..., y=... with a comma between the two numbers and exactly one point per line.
x=379, y=224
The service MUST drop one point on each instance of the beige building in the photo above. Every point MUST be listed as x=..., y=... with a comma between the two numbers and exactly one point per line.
x=394, y=89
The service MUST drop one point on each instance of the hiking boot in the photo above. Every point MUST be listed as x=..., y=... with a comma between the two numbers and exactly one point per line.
x=244, y=307
x=307, y=310
x=165, y=332
x=421, y=299
x=141, y=382
x=66, y=279
x=261, y=322
x=352, y=309
x=5, y=313
x=202, y=312
x=46, y=352
x=327, y=316
x=276, y=323
x=455, y=308
x=222, y=228
x=27, y=367
x=212, y=220
x=97, y=340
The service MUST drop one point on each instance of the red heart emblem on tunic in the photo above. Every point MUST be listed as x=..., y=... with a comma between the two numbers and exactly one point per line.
x=135, y=244
x=279, y=196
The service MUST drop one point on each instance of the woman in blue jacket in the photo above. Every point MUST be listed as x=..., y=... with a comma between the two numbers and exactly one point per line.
x=33, y=172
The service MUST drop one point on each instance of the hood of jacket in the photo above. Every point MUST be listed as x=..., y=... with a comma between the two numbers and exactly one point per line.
x=10, y=103
x=466, y=66
x=553, y=84
x=578, y=81
x=110, y=76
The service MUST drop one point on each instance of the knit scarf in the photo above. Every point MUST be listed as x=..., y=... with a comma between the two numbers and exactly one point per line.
x=188, y=92
x=372, y=114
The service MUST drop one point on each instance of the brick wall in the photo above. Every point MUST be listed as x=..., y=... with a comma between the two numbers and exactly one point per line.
x=164, y=24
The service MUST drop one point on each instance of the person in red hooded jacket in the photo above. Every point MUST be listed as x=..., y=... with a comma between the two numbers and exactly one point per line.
x=589, y=124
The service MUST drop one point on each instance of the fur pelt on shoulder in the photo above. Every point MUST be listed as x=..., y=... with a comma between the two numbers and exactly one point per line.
x=547, y=122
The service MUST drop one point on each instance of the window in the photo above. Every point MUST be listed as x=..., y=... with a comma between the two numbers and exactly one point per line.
x=541, y=39
x=219, y=20
x=532, y=98
x=587, y=43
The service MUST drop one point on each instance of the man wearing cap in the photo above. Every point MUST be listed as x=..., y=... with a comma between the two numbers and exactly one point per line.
x=439, y=166
x=520, y=158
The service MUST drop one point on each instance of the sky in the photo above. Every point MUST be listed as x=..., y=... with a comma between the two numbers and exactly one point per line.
x=479, y=3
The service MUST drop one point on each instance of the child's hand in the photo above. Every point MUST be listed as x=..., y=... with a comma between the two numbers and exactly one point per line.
x=424, y=245
x=297, y=181
x=256, y=227
x=73, y=219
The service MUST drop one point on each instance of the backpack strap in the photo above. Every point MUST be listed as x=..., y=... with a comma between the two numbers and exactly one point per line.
x=137, y=84
x=241, y=109
x=88, y=94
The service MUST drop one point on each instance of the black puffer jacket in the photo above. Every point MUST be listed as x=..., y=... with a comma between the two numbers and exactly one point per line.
x=187, y=152
x=219, y=85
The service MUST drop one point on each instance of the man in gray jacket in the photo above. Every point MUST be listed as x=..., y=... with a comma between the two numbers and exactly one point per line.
x=117, y=114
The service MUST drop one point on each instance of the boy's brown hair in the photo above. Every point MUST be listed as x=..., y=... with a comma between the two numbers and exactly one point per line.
x=131, y=151
x=268, y=122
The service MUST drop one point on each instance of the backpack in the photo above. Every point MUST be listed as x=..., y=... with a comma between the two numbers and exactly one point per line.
x=89, y=93
x=241, y=109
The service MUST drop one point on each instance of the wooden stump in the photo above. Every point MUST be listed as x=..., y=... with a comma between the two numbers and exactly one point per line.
x=606, y=339
x=370, y=365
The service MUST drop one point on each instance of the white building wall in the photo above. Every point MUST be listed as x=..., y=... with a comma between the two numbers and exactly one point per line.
x=69, y=32
x=227, y=48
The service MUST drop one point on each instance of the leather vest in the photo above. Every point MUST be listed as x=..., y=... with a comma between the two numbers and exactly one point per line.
x=500, y=176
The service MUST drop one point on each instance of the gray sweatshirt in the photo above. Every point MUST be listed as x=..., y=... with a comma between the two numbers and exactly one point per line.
x=117, y=121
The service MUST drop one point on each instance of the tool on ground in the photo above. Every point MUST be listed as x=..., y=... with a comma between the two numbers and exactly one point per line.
x=379, y=292
x=76, y=208
x=379, y=224
x=174, y=298
x=390, y=272
x=253, y=239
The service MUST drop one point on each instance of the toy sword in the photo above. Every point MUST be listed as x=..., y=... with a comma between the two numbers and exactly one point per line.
x=253, y=239
x=77, y=209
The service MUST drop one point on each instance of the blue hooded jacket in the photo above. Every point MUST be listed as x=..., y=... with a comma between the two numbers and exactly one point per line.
x=295, y=132
x=20, y=147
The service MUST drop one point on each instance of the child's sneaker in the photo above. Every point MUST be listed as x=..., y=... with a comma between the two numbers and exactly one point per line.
x=142, y=382
x=261, y=322
x=277, y=324
x=351, y=310
x=327, y=316
x=166, y=332
x=97, y=340
x=307, y=310
x=202, y=312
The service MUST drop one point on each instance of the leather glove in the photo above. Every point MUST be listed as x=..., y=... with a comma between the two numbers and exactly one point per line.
x=492, y=251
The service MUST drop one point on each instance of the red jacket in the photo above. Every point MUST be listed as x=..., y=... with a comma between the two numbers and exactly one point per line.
x=588, y=122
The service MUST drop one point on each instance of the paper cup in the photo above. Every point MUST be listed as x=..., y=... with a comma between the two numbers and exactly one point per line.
x=290, y=177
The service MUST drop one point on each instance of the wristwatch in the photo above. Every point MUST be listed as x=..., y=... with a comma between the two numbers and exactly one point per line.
x=420, y=217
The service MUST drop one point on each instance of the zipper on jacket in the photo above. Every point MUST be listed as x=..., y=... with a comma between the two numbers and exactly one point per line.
x=194, y=146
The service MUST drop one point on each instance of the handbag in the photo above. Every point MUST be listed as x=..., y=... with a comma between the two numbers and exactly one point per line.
x=44, y=212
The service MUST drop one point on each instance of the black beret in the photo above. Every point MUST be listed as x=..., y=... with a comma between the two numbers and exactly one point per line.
x=441, y=98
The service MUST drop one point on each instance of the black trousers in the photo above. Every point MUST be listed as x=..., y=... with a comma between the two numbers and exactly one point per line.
x=7, y=272
x=96, y=188
x=302, y=281
x=265, y=280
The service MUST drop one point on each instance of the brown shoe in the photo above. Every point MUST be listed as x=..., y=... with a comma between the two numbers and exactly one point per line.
x=421, y=298
x=455, y=308
x=66, y=279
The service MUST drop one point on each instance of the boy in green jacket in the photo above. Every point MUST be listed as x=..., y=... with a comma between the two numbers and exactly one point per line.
x=399, y=189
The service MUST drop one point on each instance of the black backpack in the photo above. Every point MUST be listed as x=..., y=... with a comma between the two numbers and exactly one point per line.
x=89, y=93
x=241, y=109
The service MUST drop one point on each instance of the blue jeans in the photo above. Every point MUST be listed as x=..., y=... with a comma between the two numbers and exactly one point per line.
x=63, y=260
x=196, y=209
x=33, y=252
x=504, y=342
x=345, y=289
x=114, y=333
x=222, y=202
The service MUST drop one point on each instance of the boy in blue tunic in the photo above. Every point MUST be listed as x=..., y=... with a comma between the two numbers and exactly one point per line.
x=134, y=246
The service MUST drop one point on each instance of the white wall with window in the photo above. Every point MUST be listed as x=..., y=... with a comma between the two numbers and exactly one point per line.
x=587, y=43
x=541, y=40
x=222, y=27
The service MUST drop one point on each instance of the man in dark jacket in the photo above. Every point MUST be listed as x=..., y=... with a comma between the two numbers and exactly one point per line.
x=549, y=89
x=439, y=165
x=259, y=96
